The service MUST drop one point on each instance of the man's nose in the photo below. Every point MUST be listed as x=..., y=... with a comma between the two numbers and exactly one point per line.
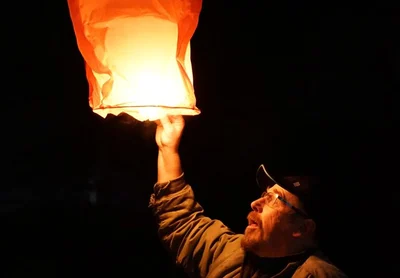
x=257, y=205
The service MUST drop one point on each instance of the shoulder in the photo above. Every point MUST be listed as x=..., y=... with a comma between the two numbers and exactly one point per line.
x=318, y=265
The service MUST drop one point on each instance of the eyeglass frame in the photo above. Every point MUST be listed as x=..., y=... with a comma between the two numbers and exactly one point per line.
x=283, y=200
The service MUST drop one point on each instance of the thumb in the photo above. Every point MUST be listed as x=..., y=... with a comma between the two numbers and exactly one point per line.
x=165, y=121
x=176, y=119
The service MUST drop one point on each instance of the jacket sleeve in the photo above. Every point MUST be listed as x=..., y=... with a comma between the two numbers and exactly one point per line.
x=195, y=240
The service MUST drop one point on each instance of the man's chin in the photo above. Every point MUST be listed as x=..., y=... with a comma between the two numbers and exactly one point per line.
x=249, y=239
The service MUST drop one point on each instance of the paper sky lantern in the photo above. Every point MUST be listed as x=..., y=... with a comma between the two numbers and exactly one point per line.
x=137, y=55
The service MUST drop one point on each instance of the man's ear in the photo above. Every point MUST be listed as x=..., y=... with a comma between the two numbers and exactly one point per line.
x=305, y=228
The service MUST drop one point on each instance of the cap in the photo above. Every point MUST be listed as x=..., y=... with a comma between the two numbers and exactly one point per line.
x=303, y=186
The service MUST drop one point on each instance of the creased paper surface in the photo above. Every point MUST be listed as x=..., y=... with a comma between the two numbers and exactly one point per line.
x=137, y=55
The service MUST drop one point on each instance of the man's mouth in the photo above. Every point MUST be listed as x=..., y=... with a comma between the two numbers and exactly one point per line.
x=252, y=223
x=253, y=220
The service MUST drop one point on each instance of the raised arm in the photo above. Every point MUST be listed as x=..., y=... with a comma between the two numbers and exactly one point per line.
x=168, y=136
x=199, y=244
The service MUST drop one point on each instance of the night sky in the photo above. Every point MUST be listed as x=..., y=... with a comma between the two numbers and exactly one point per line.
x=292, y=84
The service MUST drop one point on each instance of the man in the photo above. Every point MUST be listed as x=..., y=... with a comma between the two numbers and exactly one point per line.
x=278, y=241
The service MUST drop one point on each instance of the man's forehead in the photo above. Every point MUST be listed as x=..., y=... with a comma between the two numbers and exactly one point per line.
x=276, y=188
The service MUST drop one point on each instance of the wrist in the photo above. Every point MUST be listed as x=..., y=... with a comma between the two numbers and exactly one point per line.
x=168, y=151
x=169, y=164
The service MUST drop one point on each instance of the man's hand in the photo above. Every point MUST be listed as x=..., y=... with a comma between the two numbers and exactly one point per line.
x=168, y=135
x=169, y=132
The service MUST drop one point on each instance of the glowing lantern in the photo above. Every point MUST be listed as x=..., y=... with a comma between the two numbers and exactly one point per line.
x=137, y=55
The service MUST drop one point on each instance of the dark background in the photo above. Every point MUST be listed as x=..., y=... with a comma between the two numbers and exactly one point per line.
x=294, y=84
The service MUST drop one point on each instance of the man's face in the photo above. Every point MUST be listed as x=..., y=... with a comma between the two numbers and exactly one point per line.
x=270, y=226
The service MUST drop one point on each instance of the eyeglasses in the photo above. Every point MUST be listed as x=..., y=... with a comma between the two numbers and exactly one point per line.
x=264, y=180
x=271, y=201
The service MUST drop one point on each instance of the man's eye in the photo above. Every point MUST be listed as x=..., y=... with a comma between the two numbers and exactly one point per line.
x=263, y=195
x=266, y=196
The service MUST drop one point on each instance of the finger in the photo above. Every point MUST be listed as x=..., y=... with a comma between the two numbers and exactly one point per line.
x=165, y=121
x=176, y=118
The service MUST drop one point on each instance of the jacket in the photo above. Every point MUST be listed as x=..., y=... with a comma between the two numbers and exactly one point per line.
x=205, y=247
